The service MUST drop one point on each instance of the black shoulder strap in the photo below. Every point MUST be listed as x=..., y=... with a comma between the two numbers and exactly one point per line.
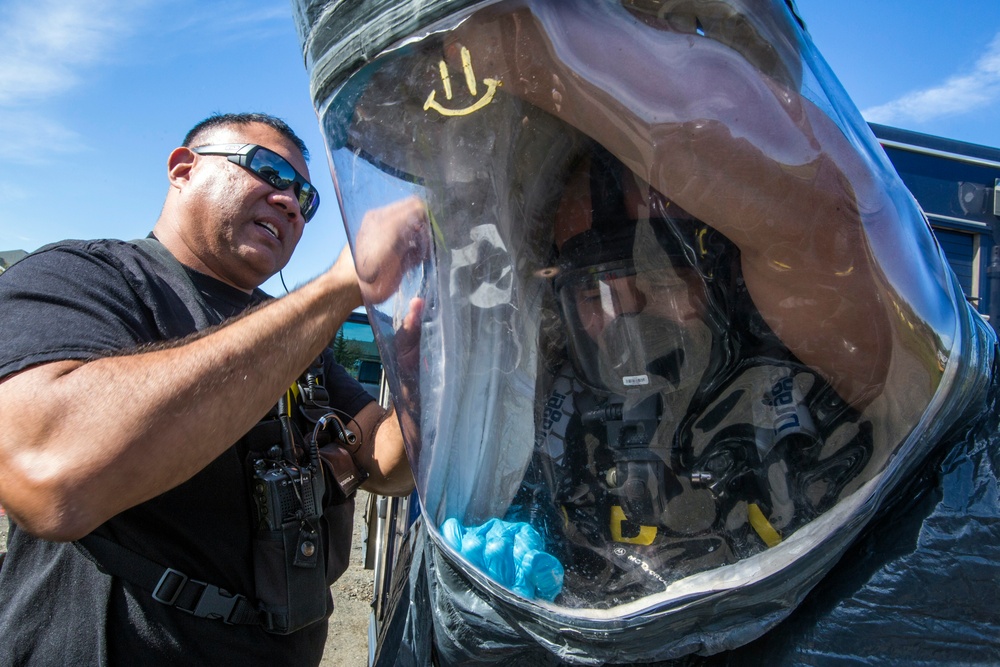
x=153, y=247
x=169, y=586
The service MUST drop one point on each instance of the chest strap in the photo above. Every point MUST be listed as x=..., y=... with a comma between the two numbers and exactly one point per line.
x=168, y=586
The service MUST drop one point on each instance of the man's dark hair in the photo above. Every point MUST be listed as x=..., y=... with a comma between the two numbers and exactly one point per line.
x=243, y=119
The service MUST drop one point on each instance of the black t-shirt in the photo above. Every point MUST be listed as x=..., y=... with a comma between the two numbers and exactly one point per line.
x=84, y=300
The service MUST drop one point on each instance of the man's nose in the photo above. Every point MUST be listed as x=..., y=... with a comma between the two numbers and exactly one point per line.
x=629, y=300
x=288, y=203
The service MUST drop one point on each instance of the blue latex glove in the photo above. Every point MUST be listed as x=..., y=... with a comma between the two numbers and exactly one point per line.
x=512, y=553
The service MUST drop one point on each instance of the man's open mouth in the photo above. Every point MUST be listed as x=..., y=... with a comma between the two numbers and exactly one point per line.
x=269, y=227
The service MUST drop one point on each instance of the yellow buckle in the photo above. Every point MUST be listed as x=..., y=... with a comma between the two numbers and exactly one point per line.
x=646, y=533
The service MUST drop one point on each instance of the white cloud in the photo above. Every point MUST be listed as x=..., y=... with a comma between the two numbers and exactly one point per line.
x=957, y=95
x=47, y=48
x=46, y=44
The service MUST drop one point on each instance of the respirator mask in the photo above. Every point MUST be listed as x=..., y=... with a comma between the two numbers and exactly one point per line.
x=635, y=334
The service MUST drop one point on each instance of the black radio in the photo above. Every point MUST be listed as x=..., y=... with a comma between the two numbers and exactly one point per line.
x=285, y=492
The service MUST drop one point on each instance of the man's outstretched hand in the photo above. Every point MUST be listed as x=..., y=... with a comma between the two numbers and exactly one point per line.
x=392, y=240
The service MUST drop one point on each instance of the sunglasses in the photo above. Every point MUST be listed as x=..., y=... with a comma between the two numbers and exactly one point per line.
x=270, y=168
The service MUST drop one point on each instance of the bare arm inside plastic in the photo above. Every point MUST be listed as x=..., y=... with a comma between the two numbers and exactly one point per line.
x=392, y=240
x=738, y=150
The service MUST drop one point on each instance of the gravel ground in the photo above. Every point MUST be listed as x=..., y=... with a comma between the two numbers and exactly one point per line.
x=347, y=644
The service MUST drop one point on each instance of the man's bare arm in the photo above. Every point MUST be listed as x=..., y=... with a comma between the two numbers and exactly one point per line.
x=738, y=150
x=382, y=454
x=84, y=441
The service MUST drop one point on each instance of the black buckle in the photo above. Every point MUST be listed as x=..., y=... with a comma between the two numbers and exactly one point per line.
x=211, y=602
x=172, y=582
x=215, y=602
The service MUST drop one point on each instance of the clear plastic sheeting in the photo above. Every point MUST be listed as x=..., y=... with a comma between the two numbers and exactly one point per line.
x=665, y=332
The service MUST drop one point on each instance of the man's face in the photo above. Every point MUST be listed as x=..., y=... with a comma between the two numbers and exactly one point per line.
x=636, y=313
x=653, y=285
x=240, y=228
x=665, y=293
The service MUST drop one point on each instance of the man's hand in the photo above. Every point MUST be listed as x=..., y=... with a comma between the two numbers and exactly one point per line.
x=392, y=240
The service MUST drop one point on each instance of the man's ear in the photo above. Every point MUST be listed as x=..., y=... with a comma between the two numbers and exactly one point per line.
x=179, y=166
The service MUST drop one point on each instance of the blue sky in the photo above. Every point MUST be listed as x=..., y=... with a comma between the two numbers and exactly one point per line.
x=95, y=93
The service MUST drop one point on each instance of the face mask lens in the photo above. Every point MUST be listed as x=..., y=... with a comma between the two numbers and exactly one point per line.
x=592, y=298
x=630, y=319
x=600, y=299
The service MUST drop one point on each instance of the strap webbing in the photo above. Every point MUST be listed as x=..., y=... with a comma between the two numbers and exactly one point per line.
x=169, y=586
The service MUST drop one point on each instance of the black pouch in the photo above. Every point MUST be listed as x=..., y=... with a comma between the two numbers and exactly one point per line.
x=290, y=577
x=341, y=468
x=292, y=480
x=289, y=552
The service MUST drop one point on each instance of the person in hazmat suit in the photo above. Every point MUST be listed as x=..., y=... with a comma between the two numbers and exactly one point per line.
x=680, y=433
x=688, y=349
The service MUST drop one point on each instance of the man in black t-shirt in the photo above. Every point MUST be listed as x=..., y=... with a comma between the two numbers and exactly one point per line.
x=127, y=373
